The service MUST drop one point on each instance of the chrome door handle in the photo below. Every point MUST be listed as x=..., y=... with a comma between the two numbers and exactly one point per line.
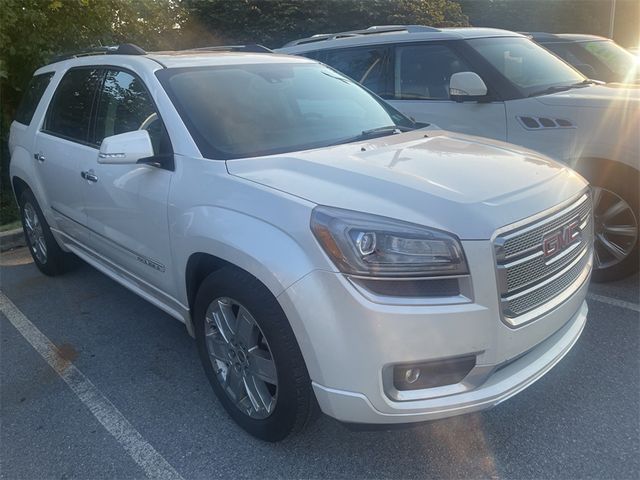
x=39, y=156
x=89, y=176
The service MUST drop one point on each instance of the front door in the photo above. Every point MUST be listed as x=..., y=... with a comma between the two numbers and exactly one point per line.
x=126, y=205
x=421, y=75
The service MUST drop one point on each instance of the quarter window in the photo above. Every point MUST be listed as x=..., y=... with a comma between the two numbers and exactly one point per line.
x=422, y=72
x=124, y=106
x=31, y=97
x=69, y=115
x=367, y=66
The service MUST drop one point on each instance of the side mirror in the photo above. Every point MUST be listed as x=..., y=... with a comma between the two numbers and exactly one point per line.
x=126, y=148
x=466, y=86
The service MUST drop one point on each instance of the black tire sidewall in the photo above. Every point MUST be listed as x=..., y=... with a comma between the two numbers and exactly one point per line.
x=294, y=394
x=53, y=263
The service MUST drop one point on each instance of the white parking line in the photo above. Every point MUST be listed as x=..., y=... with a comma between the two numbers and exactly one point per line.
x=153, y=464
x=614, y=301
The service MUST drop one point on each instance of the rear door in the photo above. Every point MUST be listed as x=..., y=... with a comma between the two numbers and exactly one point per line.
x=62, y=145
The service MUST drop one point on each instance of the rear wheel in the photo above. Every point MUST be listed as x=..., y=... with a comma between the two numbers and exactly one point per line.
x=251, y=356
x=47, y=254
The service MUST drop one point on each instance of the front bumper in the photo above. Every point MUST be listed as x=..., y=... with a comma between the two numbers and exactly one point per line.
x=349, y=341
x=506, y=382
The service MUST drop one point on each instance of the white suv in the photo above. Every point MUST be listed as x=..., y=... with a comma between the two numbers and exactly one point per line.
x=502, y=85
x=320, y=249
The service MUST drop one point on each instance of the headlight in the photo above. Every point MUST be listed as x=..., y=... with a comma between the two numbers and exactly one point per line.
x=369, y=245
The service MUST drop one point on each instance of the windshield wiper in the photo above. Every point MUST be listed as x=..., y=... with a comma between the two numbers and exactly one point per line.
x=375, y=132
x=562, y=88
x=386, y=130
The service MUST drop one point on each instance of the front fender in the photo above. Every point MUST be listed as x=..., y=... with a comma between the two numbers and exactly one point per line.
x=264, y=250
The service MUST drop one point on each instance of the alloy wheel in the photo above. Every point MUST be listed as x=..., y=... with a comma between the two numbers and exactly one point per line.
x=616, y=228
x=35, y=234
x=241, y=357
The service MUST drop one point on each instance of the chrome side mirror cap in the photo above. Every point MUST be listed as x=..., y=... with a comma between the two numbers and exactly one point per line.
x=466, y=86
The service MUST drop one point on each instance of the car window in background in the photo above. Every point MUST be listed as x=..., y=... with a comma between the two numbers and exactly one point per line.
x=422, y=72
x=31, y=97
x=619, y=60
x=528, y=66
x=273, y=108
x=367, y=66
x=124, y=106
x=69, y=114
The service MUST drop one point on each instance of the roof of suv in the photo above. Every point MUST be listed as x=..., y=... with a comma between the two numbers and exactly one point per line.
x=543, y=37
x=173, y=59
x=390, y=34
x=193, y=58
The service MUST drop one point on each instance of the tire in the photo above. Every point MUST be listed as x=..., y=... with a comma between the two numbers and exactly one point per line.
x=615, y=189
x=229, y=355
x=45, y=251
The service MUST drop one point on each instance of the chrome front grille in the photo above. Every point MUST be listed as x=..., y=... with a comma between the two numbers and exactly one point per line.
x=531, y=283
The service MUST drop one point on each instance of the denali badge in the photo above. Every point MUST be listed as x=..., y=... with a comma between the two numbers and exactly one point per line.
x=556, y=241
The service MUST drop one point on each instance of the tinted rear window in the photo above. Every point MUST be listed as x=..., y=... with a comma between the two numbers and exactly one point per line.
x=31, y=97
x=69, y=114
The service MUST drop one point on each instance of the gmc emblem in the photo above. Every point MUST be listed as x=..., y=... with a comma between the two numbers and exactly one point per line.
x=556, y=241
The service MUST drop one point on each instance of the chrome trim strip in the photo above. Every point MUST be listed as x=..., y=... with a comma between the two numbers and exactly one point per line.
x=553, y=303
x=547, y=281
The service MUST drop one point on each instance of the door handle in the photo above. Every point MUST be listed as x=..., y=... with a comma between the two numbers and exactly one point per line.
x=39, y=156
x=90, y=176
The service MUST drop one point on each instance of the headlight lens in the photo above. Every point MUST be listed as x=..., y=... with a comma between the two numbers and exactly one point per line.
x=370, y=245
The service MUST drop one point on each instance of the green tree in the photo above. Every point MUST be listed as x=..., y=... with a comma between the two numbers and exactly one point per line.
x=33, y=31
x=558, y=16
x=274, y=22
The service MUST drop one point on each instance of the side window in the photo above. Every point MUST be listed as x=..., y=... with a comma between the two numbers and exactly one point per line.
x=368, y=66
x=422, y=72
x=31, y=97
x=124, y=106
x=69, y=114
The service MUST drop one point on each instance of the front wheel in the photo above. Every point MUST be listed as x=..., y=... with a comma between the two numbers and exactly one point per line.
x=251, y=356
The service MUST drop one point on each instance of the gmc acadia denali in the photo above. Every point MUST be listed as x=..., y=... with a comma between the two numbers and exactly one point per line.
x=322, y=250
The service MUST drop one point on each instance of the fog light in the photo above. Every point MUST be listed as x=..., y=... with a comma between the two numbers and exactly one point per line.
x=412, y=375
x=436, y=373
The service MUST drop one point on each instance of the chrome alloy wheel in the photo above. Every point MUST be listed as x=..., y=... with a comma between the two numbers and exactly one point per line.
x=241, y=357
x=616, y=228
x=35, y=234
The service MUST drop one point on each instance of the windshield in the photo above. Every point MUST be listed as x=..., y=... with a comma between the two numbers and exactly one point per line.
x=251, y=110
x=616, y=58
x=528, y=66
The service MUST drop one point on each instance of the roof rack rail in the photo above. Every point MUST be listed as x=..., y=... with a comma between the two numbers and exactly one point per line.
x=123, y=49
x=250, y=47
x=376, y=29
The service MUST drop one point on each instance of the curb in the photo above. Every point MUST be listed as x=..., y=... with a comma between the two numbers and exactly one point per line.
x=11, y=239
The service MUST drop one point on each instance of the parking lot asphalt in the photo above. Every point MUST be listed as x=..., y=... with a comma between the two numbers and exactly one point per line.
x=140, y=368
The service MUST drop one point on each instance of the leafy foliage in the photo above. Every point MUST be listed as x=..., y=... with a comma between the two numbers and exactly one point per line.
x=558, y=16
x=274, y=22
x=33, y=31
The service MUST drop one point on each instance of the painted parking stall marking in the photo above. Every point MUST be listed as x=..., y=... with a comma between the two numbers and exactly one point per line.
x=614, y=301
x=154, y=465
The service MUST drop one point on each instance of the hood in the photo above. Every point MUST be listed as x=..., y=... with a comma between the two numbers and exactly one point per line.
x=596, y=96
x=469, y=186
